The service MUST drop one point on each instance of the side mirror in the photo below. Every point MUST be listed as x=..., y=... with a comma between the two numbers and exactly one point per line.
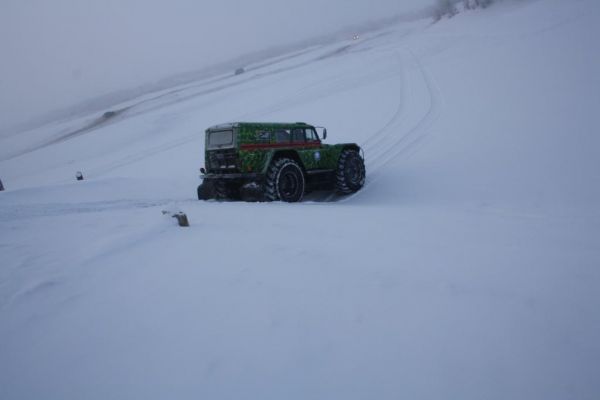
x=324, y=133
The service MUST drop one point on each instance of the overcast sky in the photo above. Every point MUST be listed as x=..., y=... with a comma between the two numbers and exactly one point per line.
x=61, y=52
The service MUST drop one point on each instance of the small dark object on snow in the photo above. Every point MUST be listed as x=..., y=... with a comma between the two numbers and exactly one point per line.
x=109, y=114
x=182, y=219
x=79, y=176
x=240, y=71
x=1, y=186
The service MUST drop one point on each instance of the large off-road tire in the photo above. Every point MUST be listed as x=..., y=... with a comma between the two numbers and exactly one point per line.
x=350, y=174
x=285, y=181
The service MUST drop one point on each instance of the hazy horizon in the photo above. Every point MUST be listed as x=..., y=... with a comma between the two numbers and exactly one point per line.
x=56, y=55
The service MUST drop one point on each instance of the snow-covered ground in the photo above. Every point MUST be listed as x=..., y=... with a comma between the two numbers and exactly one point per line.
x=467, y=268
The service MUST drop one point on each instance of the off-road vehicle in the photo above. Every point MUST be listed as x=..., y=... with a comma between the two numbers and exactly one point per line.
x=276, y=161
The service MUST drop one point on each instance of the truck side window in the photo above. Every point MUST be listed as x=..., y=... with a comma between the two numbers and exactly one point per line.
x=282, y=136
x=311, y=135
x=298, y=135
x=263, y=136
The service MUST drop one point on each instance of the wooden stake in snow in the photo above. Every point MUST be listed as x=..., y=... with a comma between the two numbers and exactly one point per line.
x=79, y=176
x=182, y=219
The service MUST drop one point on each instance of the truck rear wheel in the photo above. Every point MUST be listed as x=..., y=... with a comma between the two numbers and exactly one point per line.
x=350, y=174
x=226, y=190
x=252, y=192
x=285, y=181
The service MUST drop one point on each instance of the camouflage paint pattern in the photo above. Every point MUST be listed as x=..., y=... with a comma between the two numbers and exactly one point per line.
x=254, y=160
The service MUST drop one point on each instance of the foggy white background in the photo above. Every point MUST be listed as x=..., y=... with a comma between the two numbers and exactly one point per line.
x=62, y=52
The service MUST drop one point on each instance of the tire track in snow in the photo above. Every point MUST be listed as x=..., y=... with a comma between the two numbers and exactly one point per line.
x=390, y=146
x=380, y=134
x=421, y=130
x=321, y=89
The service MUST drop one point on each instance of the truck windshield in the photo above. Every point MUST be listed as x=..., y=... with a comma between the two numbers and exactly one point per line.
x=220, y=139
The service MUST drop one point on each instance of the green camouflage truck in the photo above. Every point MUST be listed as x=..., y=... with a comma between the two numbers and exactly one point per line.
x=276, y=161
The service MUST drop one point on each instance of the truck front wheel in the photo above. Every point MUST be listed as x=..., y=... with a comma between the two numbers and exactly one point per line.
x=350, y=174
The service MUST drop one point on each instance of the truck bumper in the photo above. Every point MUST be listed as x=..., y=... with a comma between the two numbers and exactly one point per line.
x=234, y=176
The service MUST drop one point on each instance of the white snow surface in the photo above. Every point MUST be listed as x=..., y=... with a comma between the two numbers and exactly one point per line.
x=467, y=268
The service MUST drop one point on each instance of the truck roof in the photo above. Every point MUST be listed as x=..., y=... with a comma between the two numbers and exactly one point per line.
x=231, y=125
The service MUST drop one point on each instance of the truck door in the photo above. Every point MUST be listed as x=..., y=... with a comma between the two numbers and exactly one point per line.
x=308, y=146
